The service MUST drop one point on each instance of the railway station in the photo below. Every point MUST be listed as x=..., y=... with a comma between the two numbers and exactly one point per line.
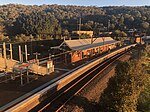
x=70, y=51
x=83, y=48
x=74, y=56
x=70, y=57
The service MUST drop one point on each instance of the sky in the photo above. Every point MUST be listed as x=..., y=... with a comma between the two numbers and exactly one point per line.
x=98, y=3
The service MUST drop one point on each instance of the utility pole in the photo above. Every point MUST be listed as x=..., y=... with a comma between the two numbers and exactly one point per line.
x=26, y=53
x=20, y=54
x=108, y=25
x=79, y=26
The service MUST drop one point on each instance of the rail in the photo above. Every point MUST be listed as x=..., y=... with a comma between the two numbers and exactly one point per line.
x=30, y=100
x=60, y=98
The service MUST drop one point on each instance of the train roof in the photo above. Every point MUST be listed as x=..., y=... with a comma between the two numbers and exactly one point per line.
x=83, y=44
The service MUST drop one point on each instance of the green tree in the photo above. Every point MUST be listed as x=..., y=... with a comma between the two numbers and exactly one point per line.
x=124, y=88
x=145, y=25
x=121, y=20
x=37, y=24
x=65, y=33
x=144, y=98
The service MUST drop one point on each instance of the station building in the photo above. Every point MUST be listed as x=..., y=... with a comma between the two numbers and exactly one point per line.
x=84, y=48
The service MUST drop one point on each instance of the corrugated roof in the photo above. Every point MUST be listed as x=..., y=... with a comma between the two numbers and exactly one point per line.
x=82, y=44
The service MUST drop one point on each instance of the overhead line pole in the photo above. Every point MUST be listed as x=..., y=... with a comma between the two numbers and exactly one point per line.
x=79, y=26
x=20, y=54
x=26, y=53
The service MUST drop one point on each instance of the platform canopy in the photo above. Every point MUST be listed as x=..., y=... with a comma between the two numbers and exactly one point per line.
x=83, y=44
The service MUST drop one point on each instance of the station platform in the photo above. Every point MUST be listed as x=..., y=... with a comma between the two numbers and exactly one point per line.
x=12, y=89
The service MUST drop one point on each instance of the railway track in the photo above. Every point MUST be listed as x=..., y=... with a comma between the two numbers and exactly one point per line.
x=57, y=100
x=45, y=96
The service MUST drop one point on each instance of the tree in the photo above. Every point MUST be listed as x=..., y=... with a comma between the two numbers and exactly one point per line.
x=131, y=18
x=65, y=33
x=124, y=88
x=121, y=20
x=145, y=25
x=37, y=24
x=49, y=20
x=144, y=98
x=112, y=26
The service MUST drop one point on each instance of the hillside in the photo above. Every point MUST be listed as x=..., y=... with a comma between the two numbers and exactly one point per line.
x=53, y=21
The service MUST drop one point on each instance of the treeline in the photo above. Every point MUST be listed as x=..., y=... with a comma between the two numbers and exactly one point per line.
x=54, y=21
x=129, y=89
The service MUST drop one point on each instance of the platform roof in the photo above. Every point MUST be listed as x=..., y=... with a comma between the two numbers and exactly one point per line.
x=83, y=44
